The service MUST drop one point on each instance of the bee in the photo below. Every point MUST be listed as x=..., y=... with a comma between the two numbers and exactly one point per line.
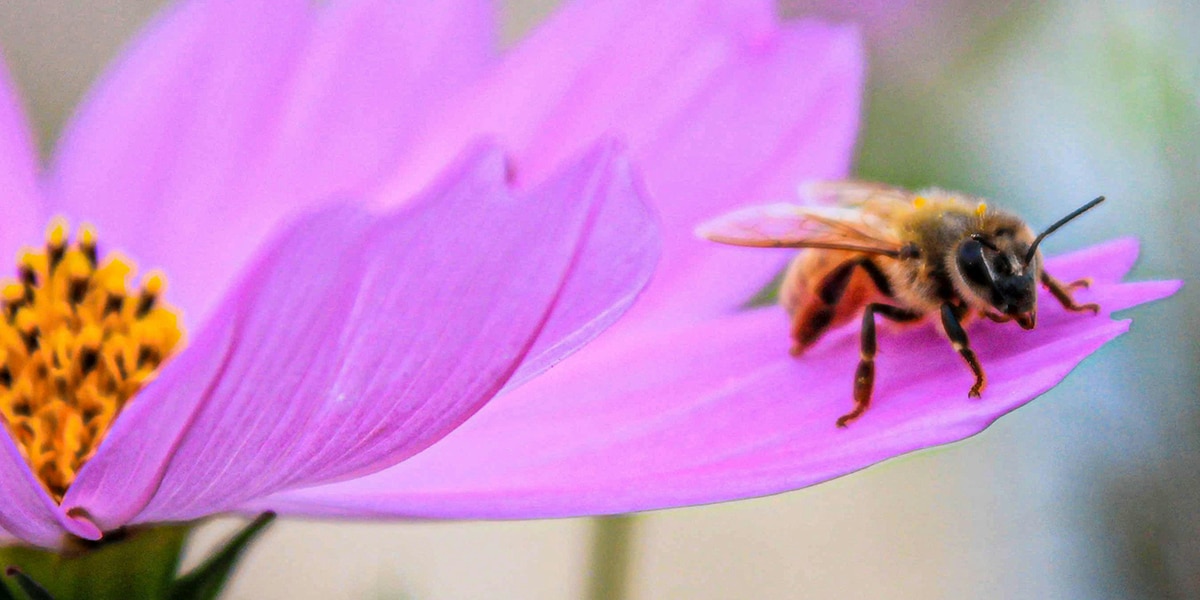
x=905, y=256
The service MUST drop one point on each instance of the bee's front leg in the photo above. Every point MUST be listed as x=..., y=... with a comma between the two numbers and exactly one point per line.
x=958, y=338
x=864, y=377
x=1062, y=292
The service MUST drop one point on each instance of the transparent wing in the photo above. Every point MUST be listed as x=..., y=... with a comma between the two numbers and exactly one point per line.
x=792, y=226
x=852, y=193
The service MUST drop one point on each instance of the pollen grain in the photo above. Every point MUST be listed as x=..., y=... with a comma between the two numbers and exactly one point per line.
x=76, y=344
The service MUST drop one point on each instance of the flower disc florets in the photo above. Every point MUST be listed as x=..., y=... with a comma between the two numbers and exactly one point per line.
x=75, y=345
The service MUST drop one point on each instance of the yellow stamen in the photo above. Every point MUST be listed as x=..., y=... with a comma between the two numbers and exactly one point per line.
x=87, y=236
x=981, y=209
x=919, y=202
x=76, y=344
x=13, y=293
x=56, y=234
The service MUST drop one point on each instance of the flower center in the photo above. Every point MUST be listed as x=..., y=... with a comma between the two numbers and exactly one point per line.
x=75, y=345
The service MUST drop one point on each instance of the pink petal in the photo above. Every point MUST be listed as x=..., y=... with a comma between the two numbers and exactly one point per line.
x=160, y=150
x=719, y=411
x=582, y=68
x=354, y=343
x=774, y=116
x=224, y=117
x=370, y=71
x=615, y=264
x=26, y=510
x=23, y=218
x=1106, y=262
x=719, y=105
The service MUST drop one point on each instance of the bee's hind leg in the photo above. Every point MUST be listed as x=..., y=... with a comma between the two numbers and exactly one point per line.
x=958, y=338
x=864, y=377
x=1062, y=293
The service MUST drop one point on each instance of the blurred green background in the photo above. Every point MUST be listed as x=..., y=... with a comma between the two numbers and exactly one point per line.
x=1092, y=491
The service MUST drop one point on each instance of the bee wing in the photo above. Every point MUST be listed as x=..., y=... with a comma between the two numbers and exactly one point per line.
x=852, y=192
x=878, y=202
x=791, y=226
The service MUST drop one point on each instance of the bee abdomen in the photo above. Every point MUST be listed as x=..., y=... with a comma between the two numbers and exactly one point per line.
x=825, y=289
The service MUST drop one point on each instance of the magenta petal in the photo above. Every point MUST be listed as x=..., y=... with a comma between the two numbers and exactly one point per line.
x=23, y=216
x=26, y=510
x=593, y=65
x=369, y=74
x=160, y=150
x=1107, y=262
x=354, y=343
x=719, y=411
x=227, y=116
x=615, y=264
x=719, y=105
x=772, y=116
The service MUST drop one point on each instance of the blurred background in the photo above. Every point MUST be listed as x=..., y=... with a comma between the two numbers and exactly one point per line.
x=1092, y=491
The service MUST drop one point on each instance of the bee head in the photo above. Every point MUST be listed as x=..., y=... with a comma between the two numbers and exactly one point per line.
x=1002, y=266
x=993, y=266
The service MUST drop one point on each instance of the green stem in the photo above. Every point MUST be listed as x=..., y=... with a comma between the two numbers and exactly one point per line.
x=612, y=539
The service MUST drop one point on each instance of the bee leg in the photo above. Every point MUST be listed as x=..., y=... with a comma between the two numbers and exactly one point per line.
x=958, y=338
x=996, y=318
x=807, y=326
x=1062, y=292
x=864, y=377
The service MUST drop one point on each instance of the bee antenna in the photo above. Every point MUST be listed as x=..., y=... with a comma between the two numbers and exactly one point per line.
x=1063, y=221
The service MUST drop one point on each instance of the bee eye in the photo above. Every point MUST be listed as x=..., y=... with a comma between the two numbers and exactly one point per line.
x=973, y=264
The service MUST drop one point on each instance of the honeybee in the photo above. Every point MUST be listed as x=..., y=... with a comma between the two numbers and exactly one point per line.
x=905, y=256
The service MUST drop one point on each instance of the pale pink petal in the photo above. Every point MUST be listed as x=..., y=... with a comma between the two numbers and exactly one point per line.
x=617, y=261
x=225, y=117
x=720, y=411
x=367, y=77
x=719, y=104
x=26, y=510
x=783, y=114
x=23, y=205
x=1106, y=262
x=354, y=343
x=159, y=152
x=590, y=62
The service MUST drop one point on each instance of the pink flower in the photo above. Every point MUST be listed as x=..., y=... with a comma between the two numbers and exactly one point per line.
x=365, y=327
x=342, y=371
x=690, y=398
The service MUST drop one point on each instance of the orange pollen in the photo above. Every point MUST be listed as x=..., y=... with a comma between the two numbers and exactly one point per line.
x=76, y=344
